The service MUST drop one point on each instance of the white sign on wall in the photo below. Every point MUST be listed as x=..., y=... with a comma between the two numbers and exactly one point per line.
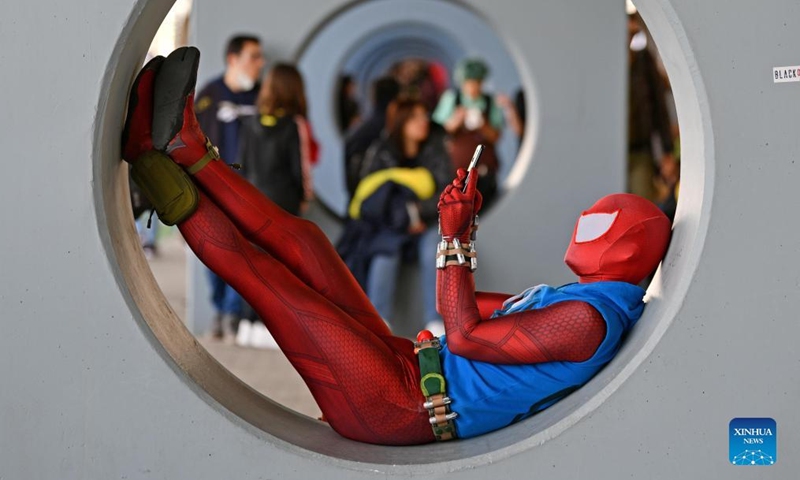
x=786, y=74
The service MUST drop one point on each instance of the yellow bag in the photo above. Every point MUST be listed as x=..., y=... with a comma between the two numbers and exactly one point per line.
x=166, y=185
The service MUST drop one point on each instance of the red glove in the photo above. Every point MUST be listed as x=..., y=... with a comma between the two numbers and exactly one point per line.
x=457, y=209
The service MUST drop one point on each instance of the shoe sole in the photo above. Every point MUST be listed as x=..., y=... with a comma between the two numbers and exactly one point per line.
x=133, y=99
x=175, y=80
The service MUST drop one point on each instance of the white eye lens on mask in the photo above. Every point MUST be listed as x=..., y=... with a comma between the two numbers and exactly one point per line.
x=594, y=225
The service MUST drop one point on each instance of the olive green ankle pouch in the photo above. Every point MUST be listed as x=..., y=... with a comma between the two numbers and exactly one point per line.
x=166, y=185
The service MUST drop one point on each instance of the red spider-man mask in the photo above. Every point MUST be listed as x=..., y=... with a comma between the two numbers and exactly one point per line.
x=621, y=238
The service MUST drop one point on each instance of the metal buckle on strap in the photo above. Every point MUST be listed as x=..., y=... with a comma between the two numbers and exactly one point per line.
x=212, y=153
x=434, y=387
x=437, y=402
x=440, y=421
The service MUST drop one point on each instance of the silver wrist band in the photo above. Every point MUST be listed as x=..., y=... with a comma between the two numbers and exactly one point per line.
x=456, y=253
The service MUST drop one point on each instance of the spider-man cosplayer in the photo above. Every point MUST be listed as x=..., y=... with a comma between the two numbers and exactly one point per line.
x=503, y=357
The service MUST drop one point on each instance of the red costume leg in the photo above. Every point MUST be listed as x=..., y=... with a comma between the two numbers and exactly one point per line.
x=366, y=385
x=365, y=381
x=297, y=243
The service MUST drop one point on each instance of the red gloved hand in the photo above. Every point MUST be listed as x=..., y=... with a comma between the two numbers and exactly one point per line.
x=457, y=208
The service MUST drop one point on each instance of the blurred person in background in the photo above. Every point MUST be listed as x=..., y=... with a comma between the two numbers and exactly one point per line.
x=668, y=183
x=396, y=203
x=219, y=106
x=439, y=80
x=222, y=102
x=419, y=79
x=650, y=140
x=347, y=109
x=277, y=151
x=276, y=147
x=472, y=117
x=515, y=113
x=384, y=92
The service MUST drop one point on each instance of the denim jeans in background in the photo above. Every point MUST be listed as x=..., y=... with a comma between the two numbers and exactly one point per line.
x=384, y=272
x=226, y=300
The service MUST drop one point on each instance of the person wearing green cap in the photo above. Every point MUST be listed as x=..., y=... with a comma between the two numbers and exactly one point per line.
x=472, y=117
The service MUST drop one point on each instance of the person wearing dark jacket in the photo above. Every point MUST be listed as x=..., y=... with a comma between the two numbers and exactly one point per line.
x=276, y=147
x=222, y=102
x=348, y=112
x=220, y=106
x=358, y=141
x=409, y=145
x=276, y=152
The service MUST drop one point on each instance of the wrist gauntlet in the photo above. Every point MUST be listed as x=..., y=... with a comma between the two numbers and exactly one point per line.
x=456, y=253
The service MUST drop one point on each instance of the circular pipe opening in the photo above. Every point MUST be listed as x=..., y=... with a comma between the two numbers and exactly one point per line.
x=284, y=429
x=444, y=31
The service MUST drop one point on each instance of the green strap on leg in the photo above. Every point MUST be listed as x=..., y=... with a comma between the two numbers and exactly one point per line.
x=211, y=154
x=434, y=388
x=432, y=381
x=166, y=185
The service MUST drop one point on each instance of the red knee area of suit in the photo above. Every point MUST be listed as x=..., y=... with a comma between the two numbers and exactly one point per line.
x=366, y=384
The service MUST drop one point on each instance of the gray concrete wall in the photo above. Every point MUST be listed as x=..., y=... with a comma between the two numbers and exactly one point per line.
x=100, y=379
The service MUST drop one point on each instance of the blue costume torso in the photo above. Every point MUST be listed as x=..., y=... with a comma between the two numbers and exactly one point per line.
x=490, y=396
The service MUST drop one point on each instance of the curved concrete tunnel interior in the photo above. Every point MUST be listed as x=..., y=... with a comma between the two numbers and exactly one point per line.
x=370, y=37
x=375, y=55
x=274, y=424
